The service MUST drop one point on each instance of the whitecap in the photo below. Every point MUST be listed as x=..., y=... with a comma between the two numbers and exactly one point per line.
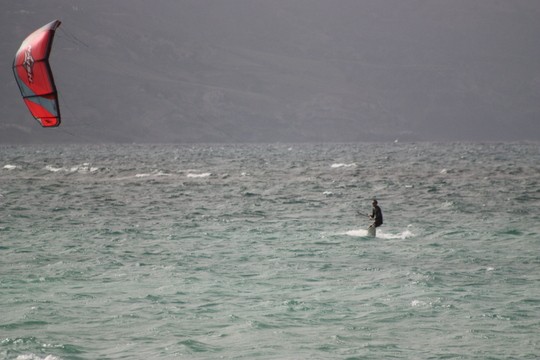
x=199, y=175
x=10, y=167
x=53, y=169
x=381, y=234
x=342, y=165
x=357, y=233
x=84, y=168
x=405, y=234
x=35, y=357
x=155, y=173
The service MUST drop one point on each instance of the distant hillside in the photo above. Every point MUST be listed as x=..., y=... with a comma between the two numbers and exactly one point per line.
x=281, y=71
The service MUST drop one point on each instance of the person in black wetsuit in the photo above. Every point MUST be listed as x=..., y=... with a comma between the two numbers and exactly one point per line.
x=376, y=215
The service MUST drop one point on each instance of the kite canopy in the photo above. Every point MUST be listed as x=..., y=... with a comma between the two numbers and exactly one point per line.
x=34, y=76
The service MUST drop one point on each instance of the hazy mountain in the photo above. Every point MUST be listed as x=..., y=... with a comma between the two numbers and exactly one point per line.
x=281, y=70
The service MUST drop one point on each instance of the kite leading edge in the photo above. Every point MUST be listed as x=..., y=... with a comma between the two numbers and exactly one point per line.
x=34, y=76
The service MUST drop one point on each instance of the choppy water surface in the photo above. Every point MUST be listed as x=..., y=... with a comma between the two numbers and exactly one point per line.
x=256, y=252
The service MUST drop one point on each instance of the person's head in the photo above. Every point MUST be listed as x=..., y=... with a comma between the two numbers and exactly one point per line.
x=374, y=203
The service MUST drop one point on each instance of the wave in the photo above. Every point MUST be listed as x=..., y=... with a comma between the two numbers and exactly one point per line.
x=381, y=234
x=83, y=168
x=342, y=165
x=198, y=175
x=154, y=173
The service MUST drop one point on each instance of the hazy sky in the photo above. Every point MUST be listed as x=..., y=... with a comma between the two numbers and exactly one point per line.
x=281, y=70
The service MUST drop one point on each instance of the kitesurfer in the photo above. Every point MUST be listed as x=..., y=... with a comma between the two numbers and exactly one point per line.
x=376, y=215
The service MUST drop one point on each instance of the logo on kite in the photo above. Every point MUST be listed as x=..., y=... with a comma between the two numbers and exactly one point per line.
x=28, y=63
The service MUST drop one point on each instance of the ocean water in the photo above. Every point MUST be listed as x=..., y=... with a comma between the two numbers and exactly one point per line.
x=256, y=251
